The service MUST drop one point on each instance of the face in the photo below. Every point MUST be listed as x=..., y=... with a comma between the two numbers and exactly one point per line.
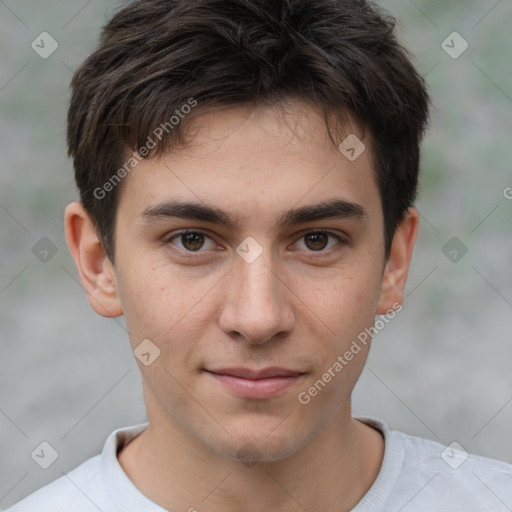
x=252, y=260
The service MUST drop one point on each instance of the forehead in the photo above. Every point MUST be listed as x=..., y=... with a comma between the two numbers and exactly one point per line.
x=257, y=161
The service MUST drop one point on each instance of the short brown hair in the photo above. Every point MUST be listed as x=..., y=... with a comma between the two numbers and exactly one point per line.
x=155, y=56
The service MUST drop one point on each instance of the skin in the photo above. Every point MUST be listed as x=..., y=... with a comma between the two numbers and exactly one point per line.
x=297, y=306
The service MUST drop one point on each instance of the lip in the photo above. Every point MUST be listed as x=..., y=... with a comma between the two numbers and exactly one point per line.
x=264, y=373
x=260, y=384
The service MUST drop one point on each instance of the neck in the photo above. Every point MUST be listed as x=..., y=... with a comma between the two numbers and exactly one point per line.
x=331, y=473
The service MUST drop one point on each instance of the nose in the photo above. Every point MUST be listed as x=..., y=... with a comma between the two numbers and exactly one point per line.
x=257, y=305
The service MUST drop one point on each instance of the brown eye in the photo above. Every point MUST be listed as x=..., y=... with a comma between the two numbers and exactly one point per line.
x=316, y=241
x=192, y=241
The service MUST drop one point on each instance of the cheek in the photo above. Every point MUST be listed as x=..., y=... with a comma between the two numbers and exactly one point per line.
x=167, y=307
x=344, y=302
x=339, y=309
x=341, y=354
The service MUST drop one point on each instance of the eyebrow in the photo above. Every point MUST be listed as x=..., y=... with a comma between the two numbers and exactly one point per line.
x=332, y=209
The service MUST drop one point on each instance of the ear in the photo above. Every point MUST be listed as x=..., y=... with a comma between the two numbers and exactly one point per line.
x=397, y=265
x=95, y=269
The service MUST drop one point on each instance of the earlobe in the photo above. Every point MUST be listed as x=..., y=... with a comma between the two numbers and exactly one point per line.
x=397, y=265
x=95, y=269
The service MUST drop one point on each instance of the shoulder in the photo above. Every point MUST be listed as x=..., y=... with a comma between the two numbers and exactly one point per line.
x=421, y=475
x=99, y=483
x=436, y=473
x=81, y=490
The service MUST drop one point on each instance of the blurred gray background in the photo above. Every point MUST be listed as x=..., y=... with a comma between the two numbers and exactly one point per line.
x=441, y=369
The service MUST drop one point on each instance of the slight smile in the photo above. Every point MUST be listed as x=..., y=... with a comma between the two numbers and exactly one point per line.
x=259, y=384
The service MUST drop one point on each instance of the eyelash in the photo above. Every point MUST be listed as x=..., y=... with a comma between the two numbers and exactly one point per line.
x=198, y=254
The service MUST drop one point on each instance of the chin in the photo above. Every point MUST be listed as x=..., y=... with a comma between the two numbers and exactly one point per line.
x=260, y=445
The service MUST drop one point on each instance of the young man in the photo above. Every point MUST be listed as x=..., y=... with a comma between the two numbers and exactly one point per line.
x=247, y=171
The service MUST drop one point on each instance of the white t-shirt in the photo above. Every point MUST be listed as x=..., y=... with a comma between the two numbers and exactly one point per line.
x=417, y=475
